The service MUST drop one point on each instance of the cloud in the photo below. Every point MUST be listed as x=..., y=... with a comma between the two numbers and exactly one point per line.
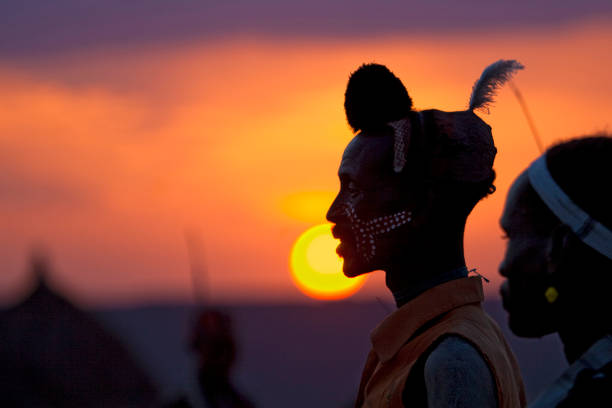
x=42, y=27
x=108, y=156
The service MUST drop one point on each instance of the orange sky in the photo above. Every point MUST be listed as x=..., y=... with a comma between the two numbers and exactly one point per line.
x=108, y=156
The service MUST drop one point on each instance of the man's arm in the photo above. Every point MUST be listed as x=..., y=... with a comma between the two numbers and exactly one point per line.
x=456, y=375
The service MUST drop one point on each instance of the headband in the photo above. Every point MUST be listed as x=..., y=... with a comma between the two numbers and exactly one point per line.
x=590, y=231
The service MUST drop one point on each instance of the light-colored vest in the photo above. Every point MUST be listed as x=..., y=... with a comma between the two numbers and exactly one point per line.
x=454, y=308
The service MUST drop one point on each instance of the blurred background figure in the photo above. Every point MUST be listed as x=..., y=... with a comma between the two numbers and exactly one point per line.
x=213, y=342
x=53, y=354
x=558, y=265
x=211, y=339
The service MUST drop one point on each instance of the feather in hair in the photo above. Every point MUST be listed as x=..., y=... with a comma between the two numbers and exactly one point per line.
x=492, y=78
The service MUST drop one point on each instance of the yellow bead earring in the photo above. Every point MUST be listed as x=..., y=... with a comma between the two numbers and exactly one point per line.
x=551, y=294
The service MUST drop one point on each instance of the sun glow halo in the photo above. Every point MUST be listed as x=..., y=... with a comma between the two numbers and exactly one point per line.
x=316, y=269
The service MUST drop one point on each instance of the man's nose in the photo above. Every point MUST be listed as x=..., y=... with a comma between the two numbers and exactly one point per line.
x=334, y=211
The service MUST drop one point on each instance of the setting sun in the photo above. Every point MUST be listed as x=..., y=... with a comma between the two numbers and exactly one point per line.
x=316, y=269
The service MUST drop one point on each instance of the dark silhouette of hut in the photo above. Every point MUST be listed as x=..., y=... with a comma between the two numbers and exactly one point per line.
x=53, y=354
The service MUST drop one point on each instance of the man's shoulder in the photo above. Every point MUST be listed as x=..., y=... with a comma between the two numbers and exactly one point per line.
x=454, y=352
x=472, y=320
x=456, y=371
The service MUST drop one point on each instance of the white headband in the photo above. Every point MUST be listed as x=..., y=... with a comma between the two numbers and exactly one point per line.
x=590, y=231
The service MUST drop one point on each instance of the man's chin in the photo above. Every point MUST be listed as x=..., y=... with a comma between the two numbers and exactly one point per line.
x=528, y=327
x=352, y=267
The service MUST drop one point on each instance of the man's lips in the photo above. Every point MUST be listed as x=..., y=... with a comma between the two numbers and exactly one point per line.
x=340, y=250
x=341, y=234
x=335, y=231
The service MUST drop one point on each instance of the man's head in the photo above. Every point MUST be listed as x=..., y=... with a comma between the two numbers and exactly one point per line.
x=369, y=190
x=375, y=96
x=212, y=339
x=381, y=213
x=551, y=273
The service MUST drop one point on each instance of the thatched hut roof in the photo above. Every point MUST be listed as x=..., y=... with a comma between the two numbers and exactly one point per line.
x=54, y=354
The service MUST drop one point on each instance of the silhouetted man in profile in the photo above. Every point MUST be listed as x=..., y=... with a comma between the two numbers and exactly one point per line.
x=408, y=182
x=558, y=265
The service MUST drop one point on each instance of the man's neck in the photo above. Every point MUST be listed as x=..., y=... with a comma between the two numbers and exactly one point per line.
x=405, y=295
x=424, y=266
x=579, y=337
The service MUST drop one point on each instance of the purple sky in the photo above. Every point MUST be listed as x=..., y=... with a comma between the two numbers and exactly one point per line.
x=32, y=27
x=126, y=122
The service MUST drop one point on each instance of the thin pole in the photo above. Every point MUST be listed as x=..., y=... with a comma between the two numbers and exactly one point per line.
x=197, y=266
x=530, y=122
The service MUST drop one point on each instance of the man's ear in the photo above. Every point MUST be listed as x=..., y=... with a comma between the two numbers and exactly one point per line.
x=560, y=246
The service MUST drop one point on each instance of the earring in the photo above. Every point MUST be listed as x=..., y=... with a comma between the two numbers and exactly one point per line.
x=551, y=294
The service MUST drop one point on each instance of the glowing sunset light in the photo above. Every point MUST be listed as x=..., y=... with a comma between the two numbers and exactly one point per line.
x=309, y=206
x=316, y=269
x=108, y=154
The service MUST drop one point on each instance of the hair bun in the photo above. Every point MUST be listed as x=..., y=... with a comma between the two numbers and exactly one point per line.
x=375, y=96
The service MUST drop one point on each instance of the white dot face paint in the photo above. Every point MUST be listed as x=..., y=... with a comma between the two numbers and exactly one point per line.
x=372, y=201
x=366, y=231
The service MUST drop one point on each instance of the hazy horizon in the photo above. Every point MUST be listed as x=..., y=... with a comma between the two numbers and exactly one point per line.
x=126, y=126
